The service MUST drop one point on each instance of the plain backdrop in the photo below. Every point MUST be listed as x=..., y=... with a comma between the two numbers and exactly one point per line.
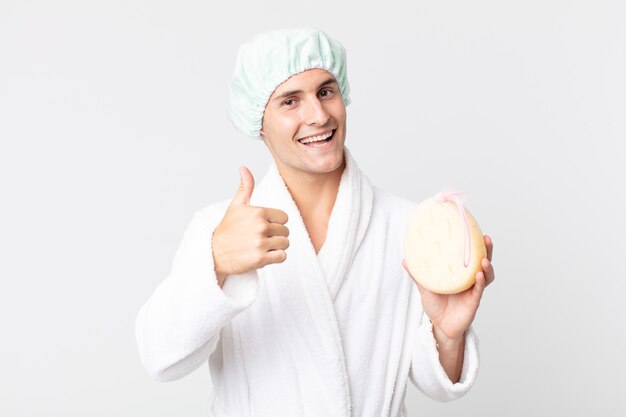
x=114, y=131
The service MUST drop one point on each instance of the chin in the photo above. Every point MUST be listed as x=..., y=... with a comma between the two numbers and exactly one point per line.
x=330, y=164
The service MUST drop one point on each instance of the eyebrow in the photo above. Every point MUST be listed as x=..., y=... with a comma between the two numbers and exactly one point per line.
x=292, y=92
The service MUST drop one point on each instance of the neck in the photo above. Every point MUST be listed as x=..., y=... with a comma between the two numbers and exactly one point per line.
x=314, y=195
x=313, y=191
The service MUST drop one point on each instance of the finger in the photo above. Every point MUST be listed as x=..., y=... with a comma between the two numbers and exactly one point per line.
x=275, y=256
x=246, y=186
x=276, y=242
x=479, y=286
x=489, y=246
x=275, y=215
x=275, y=229
x=488, y=271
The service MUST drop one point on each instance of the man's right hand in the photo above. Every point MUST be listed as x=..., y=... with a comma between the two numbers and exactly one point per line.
x=248, y=237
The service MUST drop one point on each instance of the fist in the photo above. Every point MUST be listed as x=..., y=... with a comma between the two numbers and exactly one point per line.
x=248, y=237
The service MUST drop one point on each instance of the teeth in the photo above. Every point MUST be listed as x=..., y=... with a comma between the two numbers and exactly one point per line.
x=316, y=138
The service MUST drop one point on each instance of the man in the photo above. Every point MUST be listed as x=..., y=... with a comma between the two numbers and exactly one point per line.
x=294, y=291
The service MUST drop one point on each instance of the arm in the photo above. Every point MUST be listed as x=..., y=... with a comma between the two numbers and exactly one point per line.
x=427, y=366
x=178, y=327
x=446, y=335
x=450, y=354
x=213, y=278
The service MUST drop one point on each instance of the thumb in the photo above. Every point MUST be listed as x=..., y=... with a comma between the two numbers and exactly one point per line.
x=246, y=186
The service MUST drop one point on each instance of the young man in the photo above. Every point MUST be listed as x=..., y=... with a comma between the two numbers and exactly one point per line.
x=294, y=291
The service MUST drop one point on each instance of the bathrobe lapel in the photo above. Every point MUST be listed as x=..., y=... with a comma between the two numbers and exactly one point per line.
x=347, y=225
x=304, y=286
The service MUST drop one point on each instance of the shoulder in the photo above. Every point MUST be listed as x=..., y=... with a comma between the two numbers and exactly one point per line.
x=208, y=216
x=218, y=207
x=387, y=203
x=392, y=211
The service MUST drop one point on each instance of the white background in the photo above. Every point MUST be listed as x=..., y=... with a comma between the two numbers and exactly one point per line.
x=114, y=131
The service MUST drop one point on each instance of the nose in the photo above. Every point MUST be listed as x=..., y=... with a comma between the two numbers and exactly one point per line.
x=315, y=113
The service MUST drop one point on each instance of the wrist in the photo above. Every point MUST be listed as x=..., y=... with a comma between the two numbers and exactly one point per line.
x=451, y=353
x=448, y=343
x=219, y=273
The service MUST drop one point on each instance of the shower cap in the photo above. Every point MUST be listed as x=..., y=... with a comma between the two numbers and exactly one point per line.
x=269, y=59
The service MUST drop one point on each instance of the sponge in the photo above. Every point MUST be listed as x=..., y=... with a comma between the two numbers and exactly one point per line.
x=444, y=245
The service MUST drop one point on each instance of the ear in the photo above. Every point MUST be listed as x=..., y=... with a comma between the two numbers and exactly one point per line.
x=263, y=137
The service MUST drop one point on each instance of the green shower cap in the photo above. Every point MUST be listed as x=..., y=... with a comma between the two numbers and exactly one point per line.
x=269, y=59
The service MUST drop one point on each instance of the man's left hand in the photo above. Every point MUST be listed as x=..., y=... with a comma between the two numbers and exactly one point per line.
x=452, y=314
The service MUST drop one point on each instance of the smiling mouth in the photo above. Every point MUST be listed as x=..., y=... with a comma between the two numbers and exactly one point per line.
x=320, y=139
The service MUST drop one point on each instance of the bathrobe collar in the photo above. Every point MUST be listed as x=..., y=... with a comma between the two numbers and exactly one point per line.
x=306, y=284
x=346, y=226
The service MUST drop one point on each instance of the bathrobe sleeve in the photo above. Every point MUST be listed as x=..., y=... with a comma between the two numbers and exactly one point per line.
x=179, y=326
x=426, y=371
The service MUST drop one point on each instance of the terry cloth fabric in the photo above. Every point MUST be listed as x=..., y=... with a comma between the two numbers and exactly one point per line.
x=335, y=334
x=269, y=59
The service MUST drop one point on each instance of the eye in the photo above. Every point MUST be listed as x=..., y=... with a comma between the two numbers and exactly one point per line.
x=327, y=91
x=288, y=102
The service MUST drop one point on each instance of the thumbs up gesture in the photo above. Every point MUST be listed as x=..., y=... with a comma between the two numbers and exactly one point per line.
x=248, y=237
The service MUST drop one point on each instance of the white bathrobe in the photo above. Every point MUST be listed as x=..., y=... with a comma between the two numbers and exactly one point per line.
x=333, y=334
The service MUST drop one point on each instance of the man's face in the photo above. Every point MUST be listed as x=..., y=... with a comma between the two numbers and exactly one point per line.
x=307, y=105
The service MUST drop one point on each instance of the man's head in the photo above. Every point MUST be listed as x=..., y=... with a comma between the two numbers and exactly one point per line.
x=311, y=67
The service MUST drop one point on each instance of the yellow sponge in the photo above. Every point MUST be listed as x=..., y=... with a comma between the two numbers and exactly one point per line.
x=444, y=245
